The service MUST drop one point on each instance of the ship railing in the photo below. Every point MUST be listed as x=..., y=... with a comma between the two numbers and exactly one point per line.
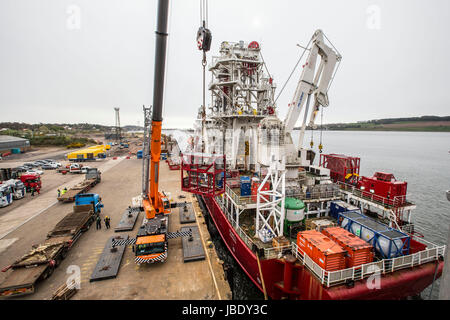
x=242, y=234
x=238, y=200
x=396, y=201
x=331, y=278
x=269, y=253
x=276, y=252
x=329, y=193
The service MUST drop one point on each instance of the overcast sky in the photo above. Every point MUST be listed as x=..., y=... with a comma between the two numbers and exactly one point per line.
x=74, y=61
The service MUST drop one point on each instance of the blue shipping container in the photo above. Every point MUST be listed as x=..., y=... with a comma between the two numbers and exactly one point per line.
x=246, y=186
x=340, y=206
x=388, y=242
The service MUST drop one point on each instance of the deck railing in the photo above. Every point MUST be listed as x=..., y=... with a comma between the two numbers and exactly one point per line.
x=332, y=191
x=269, y=253
x=330, y=278
x=242, y=234
x=396, y=201
x=328, y=192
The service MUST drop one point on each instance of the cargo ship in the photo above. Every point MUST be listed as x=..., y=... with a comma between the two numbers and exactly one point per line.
x=299, y=230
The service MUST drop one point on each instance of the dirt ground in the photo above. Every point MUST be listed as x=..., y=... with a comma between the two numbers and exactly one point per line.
x=170, y=280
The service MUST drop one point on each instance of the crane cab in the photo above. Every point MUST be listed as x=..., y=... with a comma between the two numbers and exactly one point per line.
x=150, y=247
x=151, y=241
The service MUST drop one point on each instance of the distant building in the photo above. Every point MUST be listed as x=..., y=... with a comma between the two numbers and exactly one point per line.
x=7, y=143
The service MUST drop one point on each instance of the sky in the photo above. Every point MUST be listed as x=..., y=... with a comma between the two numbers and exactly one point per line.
x=75, y=61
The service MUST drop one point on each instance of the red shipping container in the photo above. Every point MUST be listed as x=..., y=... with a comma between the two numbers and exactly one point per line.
x=329, y=255
x=358, y=251
x=255, y=186
x=386, y=186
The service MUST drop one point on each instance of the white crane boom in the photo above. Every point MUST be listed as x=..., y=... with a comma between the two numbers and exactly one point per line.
x=312, y=83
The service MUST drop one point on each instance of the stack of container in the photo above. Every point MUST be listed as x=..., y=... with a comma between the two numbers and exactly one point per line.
x=388, y=242
x=329, y=255
x=358, y=251
x=246, y=189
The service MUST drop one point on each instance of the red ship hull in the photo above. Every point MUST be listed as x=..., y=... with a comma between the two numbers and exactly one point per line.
x=293, y=281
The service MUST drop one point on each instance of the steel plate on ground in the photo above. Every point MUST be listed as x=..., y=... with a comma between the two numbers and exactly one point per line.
x=186, y=212
x=109, y=262
x=128, y=220
x=192, y=250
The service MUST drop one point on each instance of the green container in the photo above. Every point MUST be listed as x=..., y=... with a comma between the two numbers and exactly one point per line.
x=15, y=150
x=295, y=212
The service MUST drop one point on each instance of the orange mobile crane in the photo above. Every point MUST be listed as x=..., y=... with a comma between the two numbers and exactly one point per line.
x=155, y=202
x=151, y=243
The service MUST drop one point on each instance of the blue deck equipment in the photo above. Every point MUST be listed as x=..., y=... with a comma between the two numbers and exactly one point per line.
x=388, y=242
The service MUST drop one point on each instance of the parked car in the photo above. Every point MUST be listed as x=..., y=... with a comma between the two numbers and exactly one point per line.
x=40, y=162
x=35, y=171
x=30, y=165
x=19, y=169
x=49, y=166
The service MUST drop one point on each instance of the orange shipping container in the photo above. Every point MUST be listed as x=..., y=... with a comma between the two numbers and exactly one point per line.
x=325, y=252
x=358, y=251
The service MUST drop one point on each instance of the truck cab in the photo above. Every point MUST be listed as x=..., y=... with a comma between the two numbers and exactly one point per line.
x=31, y=180
x=6, y=195
x=17, y=188
x=89, y=198
x=93, y=173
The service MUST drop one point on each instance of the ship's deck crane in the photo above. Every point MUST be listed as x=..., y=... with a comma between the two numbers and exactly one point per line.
x=314, y=83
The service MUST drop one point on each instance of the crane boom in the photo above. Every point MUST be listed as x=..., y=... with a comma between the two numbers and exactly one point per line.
x=155, y=202
x=312, y=83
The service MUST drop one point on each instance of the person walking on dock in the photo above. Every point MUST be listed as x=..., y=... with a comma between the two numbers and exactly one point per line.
x=107, y=220
x=64, y=191
x=99, y=222
x=59, y=193
x=32, y=191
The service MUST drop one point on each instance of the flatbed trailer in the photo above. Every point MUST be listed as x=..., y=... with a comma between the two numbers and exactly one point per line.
x=81, y=187
x=40, y=262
